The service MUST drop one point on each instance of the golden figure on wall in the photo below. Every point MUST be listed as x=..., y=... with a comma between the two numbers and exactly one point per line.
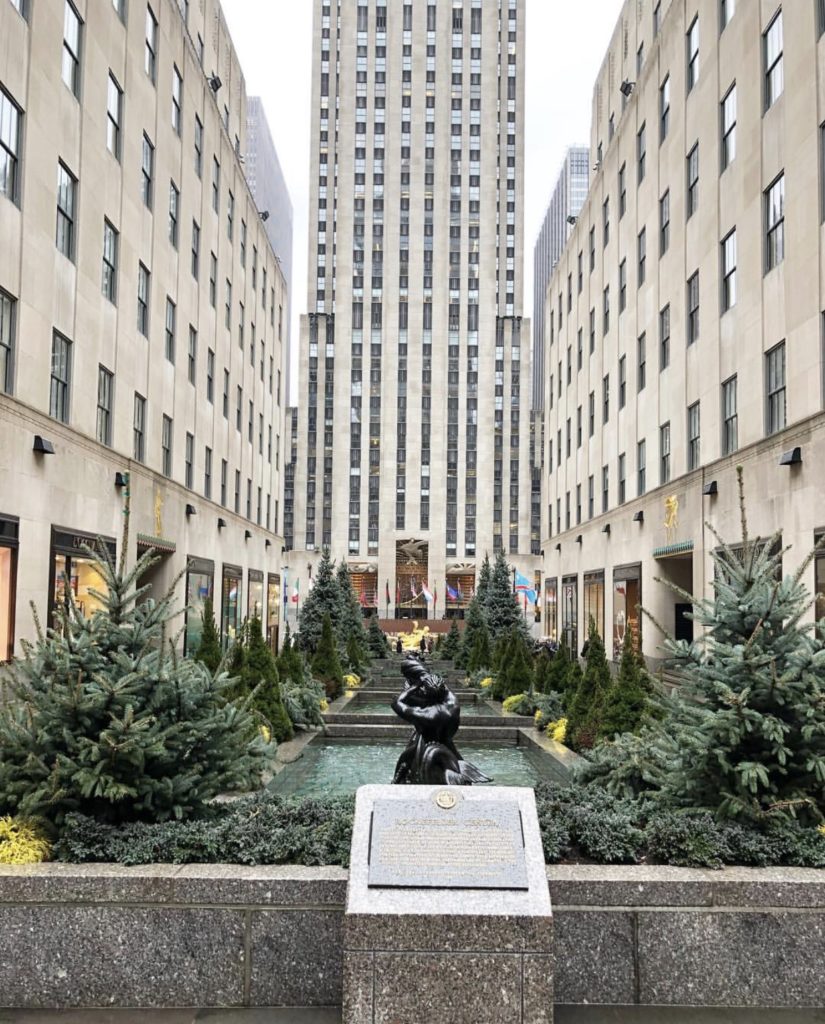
x=671, y=516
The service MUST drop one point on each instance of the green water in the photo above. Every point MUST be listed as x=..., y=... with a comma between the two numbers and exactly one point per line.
x=380, y=707
x=333, y=767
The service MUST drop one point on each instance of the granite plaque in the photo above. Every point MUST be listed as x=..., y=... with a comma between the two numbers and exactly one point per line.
x=447, y=842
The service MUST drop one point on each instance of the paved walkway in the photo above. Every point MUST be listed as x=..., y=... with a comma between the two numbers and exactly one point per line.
x=564, y=1015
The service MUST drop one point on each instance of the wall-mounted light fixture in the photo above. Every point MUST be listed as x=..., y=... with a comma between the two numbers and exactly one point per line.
x=264, y=215
x=558, y=547
x=711, y=489
x=191, y=511
x=606, y=529
x=247, y=534
x=221, y=523
x=639, y=517
x=214, y=82
x=627, y=87
x=41, y=446
x=579, y=539
x=121, y=480
x=791, y=458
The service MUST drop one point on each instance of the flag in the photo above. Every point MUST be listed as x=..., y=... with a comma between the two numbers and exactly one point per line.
x=453, y=595
x=398, y=592
x=524, y=586
x=388, y=593
x=413, y=594
x=286, y=590
x=296, y=592
x=435, y=596
x=362, y=599
x=425, y=590
x=460, y=595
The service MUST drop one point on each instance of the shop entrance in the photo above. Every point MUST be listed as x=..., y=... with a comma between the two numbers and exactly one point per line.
x=678, y=570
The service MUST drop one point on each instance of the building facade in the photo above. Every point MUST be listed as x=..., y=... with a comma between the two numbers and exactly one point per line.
x=684, y=319
x=140, y=303
x=568, y=197
x=413, y=431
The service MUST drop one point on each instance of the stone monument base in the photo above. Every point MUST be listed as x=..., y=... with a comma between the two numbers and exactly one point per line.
x=471, y=951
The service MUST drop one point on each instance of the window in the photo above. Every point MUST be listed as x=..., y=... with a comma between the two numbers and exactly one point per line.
x=775, y=372
x=591, y=497
x=224, y=475
x=189, y=460
x=171, y=314
x=664, y=338
x=622, y=497
x=66, y=196
x=606, y=398
x=693, y=308
x=174, y=206
x=143, y=301
x=729, y=271
x=606, y=221
x=641, y=154
x=105, y=394
x=147, y=168
x=772, y=48
x=641, y=255
x=775, y=223
x=9, y=146
x=592, y=249
x=114, y=110
x=216, y=183
x=622, y=286
x=726, y=12
x=110, y=241
x=166, y=446
x=226, y=394
x=605, y=488
x=139, y=429
x=196, y=249
x=177, y=100
x=664, y=223
x=592, y=331
x=213, y=279
x=641, y=362
x=693, y=53
x=693, y=456
x=198, y=147
x=70, y=70
x=622, y=382
x=664, y=109
x=591, y=414
x=230, y=216
x=207, y=472
x=61, y=376
x=622, y=190
x=239, y=408
x=210, y=376
x=7, y=327
x=692, y=181
x=641, y=471
x=192, y=355
x=657, y=18
x=664, y=453
x=729, y=127
x=243, y=243
x=730, y=417
x=151, y=50
x=227, y=313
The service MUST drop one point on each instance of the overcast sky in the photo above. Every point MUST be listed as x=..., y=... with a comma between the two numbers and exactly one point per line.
x=565, y=46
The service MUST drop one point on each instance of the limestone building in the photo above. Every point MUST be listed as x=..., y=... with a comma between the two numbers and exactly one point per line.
x=413, y=421
x=569, y=194
x=140, y=310
x=684, y=319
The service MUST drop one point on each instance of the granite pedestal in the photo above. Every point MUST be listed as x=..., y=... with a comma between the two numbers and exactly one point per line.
x=440, y=929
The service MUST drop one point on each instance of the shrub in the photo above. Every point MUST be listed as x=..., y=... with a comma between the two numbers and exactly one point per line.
x=452, y=642
x=324, y=598
x=548, y=708
x=326, y=666
x=377, y=642
x=209, y=650
x=627, y=699
x=586, y=709
x=22, y=841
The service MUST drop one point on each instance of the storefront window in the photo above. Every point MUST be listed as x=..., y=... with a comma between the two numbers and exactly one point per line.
x=273, y=610
x=627, y=601
x=594, y=601
x=74, y=571
x=255, y=595
x=551, y=608
x=570, y=614
x=230, y=603
x=200, y=583
x=8, y=576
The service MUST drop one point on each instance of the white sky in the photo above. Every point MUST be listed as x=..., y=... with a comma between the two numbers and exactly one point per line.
x=566, y=43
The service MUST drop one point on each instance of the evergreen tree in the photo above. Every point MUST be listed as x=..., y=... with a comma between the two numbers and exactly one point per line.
x=500, y=651
x=326, y=665
x=627, y=700
x=542, y=672
x=515, y=675
x=324, y=598
x=501, y=605
x=572, y=684
x=302, y=695
x=559, y=675
x=377, y=643
x=108, y=721
x=452, y=642
x=480, y=655
x=473, y=624
x=483, y=584
x=209, y=651
x=261, y=681
x=352, y=635
x=585, y=715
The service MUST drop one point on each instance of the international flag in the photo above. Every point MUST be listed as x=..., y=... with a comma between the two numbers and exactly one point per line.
x=453, y=595
x=296, y=592
x=524, y=586
x=413, y=594
x=398, y=592
x=425, y=590
x=435, y=596
x=388, y=593
x=286, y=590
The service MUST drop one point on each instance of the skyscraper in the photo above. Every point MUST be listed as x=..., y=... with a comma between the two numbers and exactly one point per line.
x=412, y=455
x=568, y=198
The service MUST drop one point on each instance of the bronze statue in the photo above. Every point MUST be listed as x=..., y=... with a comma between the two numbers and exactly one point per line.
x=431, y=757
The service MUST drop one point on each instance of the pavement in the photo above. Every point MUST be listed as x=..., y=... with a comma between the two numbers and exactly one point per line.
x=564, y=1015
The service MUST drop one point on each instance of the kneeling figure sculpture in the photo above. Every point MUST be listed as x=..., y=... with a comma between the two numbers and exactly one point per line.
x=431, y=757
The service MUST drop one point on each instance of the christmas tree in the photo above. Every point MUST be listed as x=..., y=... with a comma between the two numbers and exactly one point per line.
x=324, y=598
x=628, y=699
x=377, y=643
x=107, y=720
x=326, y=665
x=351, y=632
x=452, y=642
x=501, y=605
x=474, y=624
x=483, y=584
x=515, y=675
x=259, y=679
x=480, y=655
x=586, y=709
x=209, y=650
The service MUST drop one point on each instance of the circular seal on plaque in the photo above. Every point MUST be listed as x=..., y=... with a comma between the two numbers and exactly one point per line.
x=446, y=800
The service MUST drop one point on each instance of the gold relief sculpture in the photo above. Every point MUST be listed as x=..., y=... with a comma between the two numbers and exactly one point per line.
x=158, y=514
x=671, y=516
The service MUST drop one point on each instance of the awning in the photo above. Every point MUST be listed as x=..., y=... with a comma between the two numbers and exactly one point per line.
x=160, y=544
x=683, y=547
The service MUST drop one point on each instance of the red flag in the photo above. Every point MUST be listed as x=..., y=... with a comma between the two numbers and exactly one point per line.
x=398, y=592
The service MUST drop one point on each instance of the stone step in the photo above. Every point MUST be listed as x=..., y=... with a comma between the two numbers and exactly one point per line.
x=467, y=733
x=467, y=722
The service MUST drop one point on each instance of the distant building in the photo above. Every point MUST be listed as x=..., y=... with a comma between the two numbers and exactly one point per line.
x=268, y=186
x=568, y=198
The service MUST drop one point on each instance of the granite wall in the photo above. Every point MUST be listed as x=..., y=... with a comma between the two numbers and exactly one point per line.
x=207, y=935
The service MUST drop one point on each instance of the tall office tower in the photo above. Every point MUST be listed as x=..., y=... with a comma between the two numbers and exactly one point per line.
x=684, y=320
x=413, y=440
x=567, y=200
x=139, y=310
x=269, y=189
